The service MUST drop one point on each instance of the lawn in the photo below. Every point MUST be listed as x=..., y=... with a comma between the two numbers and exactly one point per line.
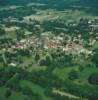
x=29, y=64
x=62, y=73
x=83, y=76
x=10, y=32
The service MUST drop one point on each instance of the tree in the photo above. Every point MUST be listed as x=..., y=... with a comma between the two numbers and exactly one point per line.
x=73, y=75
x=13, y=83
x=2, y=31
x=42, y=62
x=95, y=57
x=8, y=93
x=93, y=78
x=48, y=61
x=20, y=34
x=37, y=57
x=93, y=97
x=27, y=91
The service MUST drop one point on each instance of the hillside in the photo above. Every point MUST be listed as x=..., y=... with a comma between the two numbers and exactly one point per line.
x=48, y=50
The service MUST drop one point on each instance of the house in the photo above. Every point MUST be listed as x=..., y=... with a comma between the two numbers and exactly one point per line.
x=13, y=64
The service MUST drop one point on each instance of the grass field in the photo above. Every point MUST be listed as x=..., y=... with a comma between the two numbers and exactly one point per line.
x=50, y=14
x=62, y=73
x=8, y=7
x=83, y=76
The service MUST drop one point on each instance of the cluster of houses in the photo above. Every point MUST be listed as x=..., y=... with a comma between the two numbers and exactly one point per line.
x=44, y=42
x=62, y=41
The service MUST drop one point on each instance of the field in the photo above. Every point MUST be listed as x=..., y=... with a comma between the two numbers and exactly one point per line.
x=51, y=14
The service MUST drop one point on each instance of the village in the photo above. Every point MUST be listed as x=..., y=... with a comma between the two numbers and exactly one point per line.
x=44, y=42
x=74, y=45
